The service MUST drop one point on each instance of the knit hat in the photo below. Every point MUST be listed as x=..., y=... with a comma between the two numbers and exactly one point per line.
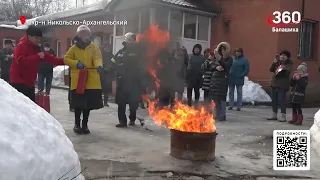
x=34, y=31
x=286, y=52
x=83, y=28
x=303, y=67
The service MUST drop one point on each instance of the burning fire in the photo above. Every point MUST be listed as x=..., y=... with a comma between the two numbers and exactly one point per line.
x=181, y=117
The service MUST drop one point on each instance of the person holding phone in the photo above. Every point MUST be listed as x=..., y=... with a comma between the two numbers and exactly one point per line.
x=281, y=68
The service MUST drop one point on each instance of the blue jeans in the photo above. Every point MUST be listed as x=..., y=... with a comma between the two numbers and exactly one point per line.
x=44, y=77
x=239, y=95
x=278, y=96
x=220, y=108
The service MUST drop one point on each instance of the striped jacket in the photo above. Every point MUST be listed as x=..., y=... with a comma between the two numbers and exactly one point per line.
x=206, y=67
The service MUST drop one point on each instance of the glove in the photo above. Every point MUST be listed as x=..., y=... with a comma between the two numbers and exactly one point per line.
x=80, y=65
x=100, y=69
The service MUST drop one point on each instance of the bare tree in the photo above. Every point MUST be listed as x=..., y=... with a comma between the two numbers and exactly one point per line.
x=11, y=10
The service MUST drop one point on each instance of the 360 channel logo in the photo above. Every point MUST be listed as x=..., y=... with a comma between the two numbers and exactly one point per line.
x=283, y=19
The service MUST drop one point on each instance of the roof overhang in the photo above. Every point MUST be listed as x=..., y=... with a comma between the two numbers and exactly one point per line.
x=111, y=6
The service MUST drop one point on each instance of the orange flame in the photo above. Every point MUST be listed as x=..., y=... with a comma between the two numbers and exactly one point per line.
x=183, y=118
x=180, y=117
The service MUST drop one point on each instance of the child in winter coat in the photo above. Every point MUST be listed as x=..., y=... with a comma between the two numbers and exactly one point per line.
x=298, y=86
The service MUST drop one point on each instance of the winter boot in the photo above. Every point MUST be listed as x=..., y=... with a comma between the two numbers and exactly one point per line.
x=230, y=108
x=294, y=119
x=121, y=125
x=85, y=129
x=77, y=129
x=238, y=109
x=132, y=123
x=273, y=117
x=299, y=119
x=283, y=118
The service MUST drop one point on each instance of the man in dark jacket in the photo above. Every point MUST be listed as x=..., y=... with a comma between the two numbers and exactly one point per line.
x=281, y=68
x=6, y=55
x=106, y=77
x=239, y=70
x=45, y=71
x=194, y=74
x=130, y=71
x=26, y=61
x=220, y=78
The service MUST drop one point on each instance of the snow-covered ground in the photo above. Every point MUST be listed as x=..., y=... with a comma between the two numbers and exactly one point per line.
x=315, y=133
x=33, y=143
x=252, y=92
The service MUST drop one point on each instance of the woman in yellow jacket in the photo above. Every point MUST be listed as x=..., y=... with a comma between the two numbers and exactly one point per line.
x=84, y=54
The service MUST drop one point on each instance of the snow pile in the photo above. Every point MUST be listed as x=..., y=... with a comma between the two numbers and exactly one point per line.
x=315, y=133
x=58, y=75
x=33, y=143
x=252, y=92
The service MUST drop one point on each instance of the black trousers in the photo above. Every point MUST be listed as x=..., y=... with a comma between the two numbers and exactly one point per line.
x=6, y=77
x=26, y=90
x=77, y=116
x=296, y=108
x=122, y=112
x=196, y=95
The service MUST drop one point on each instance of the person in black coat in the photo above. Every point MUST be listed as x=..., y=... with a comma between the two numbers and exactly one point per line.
x=6, y=55
x=298, y=86
x=220, y=78
x=129, y=66
x=46, y=71
x=106, y=77
x=194, y=74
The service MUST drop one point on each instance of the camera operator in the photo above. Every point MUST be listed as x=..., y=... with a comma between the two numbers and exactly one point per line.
x=281, y=68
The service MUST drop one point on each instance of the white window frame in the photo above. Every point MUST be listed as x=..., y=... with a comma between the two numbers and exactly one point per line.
x=13, y=42
x=197, y=28
x=58, y=49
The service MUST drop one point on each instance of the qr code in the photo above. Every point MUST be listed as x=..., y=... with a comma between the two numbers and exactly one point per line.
x=291, y=150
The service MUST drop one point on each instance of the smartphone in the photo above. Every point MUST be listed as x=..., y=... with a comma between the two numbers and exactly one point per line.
x=277, y=57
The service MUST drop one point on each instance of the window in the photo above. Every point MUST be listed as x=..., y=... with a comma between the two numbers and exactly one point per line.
x=145, y=19
x=58, y=48
x=176, y=24
x=13, y=42
x=161, y=18
x=203, y=28
x=119, y=28
x=190, y=22
x=306, y=38
x=133, y=22
x=97, y=40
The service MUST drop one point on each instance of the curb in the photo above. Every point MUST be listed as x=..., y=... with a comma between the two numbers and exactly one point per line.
x=257, y=103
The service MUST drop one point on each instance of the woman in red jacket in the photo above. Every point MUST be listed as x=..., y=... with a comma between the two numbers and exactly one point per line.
x=26, y=61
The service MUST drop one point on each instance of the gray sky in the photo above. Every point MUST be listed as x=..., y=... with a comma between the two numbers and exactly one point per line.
x=73, y=2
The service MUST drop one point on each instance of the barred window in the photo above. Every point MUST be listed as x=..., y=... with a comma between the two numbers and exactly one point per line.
x=306, y=37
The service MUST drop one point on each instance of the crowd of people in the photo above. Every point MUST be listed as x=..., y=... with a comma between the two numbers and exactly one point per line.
x=215, y=71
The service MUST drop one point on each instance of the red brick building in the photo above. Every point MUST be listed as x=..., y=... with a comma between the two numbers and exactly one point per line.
x=243, y=23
